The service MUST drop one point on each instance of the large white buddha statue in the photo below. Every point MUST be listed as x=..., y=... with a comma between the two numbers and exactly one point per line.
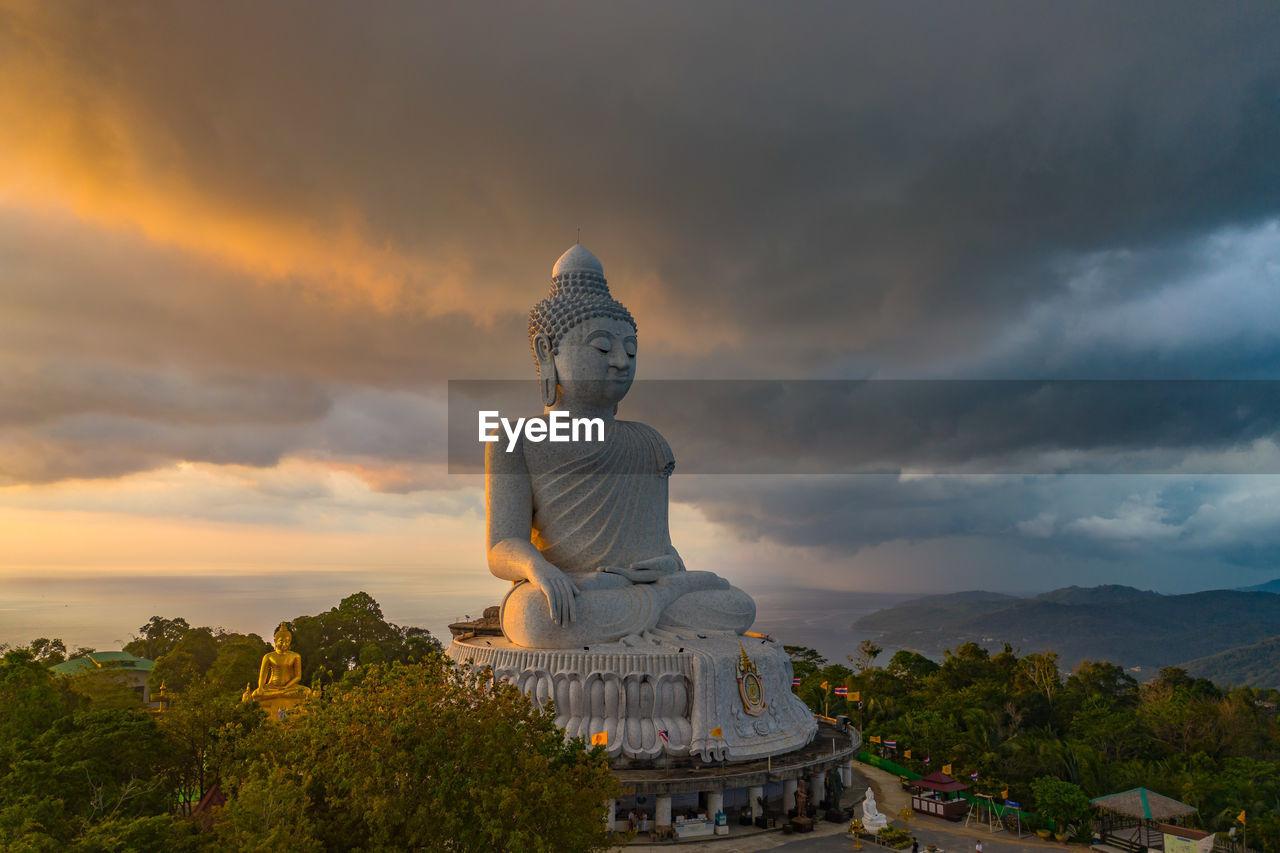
x=580, y=528
x=602, y=618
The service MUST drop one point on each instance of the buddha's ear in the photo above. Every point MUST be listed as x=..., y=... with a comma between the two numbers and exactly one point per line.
x=546, y=368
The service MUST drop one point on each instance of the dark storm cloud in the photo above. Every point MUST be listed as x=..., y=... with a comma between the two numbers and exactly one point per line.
x=236, y=233
x=972, y=426
x=821, y=181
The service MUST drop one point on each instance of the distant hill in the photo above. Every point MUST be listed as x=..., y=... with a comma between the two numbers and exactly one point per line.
x=1257, y=665
x=1269, y=586
x=1131, y=627
x=936, y=609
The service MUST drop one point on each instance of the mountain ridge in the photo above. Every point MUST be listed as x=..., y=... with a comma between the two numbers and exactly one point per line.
x=1141, y=630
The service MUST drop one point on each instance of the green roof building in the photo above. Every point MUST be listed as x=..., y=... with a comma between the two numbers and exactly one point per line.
x=134, y=669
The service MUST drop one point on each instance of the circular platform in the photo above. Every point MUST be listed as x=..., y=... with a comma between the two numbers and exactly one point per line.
x=662, y=695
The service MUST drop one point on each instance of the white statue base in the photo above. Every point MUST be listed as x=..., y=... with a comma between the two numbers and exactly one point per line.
x=716, y=696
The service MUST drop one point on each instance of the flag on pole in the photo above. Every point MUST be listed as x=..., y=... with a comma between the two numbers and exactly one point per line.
x=926, y=759
x=1004, y=795
x=906, y=754
x=946, y=768
x=856, y=696
x=665, y=735
x=795, y=682
x=974, y=776
x=874, y=738
x=600, y=739
x=826, y=685
x=1240, y=817
x=842, y=691
x=891, y=744
x=859, y=704
x=716, y=732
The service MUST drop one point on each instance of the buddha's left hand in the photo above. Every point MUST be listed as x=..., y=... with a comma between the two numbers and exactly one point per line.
x=650, y=570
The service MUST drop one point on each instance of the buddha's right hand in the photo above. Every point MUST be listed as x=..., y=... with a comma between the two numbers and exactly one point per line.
x=558, y=589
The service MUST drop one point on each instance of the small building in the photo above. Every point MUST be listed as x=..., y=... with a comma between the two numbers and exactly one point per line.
x=131, y=669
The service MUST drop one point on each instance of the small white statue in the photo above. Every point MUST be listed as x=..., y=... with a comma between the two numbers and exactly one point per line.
x=871, y=817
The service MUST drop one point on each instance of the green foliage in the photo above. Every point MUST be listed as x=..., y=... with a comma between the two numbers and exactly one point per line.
x=804, y=660
x=1014, y=719
x=894, y=837
x=354, y=632
x=48, y=652
x=109, y=687
x=420, y=756
x=236, y=662
x=32, y=698
x=157, y=637
x=1061, y=802
x=186, y=662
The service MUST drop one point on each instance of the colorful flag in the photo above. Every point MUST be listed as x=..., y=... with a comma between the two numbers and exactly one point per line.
x=665, y=735
x=826, y=685
x=795, y=682
x=859, y=704
x=906, y=754
x=891, y=744
x=946, y=768
x=600, y=739
x=856, y=696
x=926, y=759
x=874, y=738
x=1240, y=817
x=716, y=732
x=973, y=776
x=842, y=691
x=1004, y=795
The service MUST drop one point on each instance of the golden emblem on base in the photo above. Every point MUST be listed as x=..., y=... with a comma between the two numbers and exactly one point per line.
x=750, y=687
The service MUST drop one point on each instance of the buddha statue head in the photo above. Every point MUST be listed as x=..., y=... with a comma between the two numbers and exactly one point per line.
x=283, y=637
x=583, y=340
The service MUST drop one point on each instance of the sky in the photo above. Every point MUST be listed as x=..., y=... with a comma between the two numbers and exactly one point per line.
x=244, y=248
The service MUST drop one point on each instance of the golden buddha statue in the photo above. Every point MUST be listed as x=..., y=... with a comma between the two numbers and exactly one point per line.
x=280, y=676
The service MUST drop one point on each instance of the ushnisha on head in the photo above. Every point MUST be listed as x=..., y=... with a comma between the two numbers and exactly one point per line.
x=583, y=340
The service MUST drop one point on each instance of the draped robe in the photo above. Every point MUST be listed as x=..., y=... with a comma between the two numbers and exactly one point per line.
x=607, y=507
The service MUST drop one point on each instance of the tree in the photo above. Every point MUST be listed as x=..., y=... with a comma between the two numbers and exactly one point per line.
x=911, y=666
x=804, y=660
x=1041, y=671
x=31, y=697
x=866, y=656
x=89, y=767
x=355, y=631
x=236, y=662
x=157, y=637
x=48, y=652
x=423, y=756
x=186, y=662
x=1061, y=802
x=204, y=728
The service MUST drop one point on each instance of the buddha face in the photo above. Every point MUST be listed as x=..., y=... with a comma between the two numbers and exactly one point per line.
x=596, y=363
x=283, y=641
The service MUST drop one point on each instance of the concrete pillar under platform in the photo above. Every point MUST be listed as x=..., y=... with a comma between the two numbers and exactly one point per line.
x=662, y=811
x=788, y=795
x=846, y=774
x=817, y=788
x=755, y=794
x=610, y=806
x=715, y=803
